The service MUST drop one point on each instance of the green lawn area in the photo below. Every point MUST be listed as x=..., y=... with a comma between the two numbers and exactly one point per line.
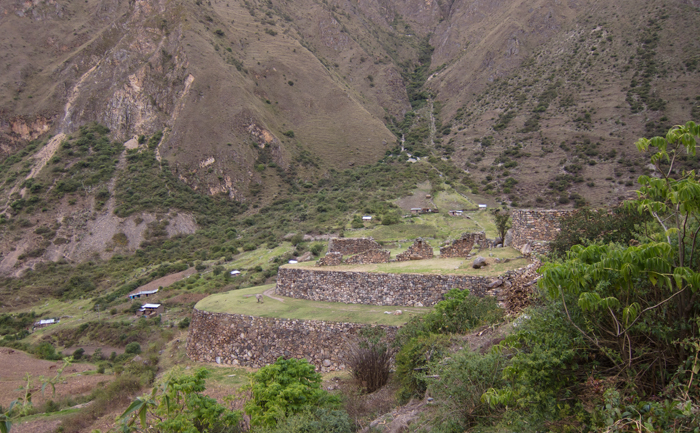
x=243, y=302
x=455, y=266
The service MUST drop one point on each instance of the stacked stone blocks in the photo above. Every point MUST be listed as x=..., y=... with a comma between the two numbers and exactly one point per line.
x=352, y=246
x=420, y=250
x=463, y=246
x=536, y=227
x=250, y=341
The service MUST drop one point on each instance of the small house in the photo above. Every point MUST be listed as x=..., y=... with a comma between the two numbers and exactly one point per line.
x=455, y=213
x=482, y=206
x=235, y=273
x=366, y=218
x=415, y=210
x=44, y=323
x=150, y=310
x=144, y=293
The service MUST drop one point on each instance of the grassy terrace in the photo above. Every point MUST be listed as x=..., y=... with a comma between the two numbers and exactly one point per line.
x=243, y=302
x=456, y=266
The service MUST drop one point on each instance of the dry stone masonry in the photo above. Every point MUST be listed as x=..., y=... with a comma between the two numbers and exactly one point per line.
x=351, y=246
x=535, y=227
x=463, y=246
x=377, y=288
x=240, y=340
x=330, y=259
x=369, y=257
x=420, y=250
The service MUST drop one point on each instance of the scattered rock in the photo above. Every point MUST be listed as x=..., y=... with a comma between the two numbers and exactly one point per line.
x=479, y=262
x=326, y=362
x=526, y=250
x=496, y=283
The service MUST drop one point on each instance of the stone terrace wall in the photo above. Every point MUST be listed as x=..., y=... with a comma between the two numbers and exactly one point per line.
x=256, y=341
x=533, y=226
x=369, y=257
x=463, y=246
x=420, y=250
x=373, y=288
x=330, y=259
x=351, y=246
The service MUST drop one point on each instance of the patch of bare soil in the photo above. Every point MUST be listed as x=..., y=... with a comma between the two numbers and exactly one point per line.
x=166, y=280
x=186, y=298
x=37, y=425
x=418, y=199
x=15, y=365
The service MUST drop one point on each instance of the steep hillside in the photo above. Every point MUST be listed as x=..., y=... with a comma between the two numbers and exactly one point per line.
x=525, y=103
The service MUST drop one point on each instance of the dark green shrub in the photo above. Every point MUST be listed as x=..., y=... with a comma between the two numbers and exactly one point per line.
x=78, y=353
x=46, y=350
x=414, y=359
x=184, y=323
x=133, y=348
x=282, y=389
x=312, y=421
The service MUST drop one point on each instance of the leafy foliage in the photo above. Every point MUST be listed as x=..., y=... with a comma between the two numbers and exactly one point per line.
x=287, y=387
x=312, y=420
x=414, y=359
x=619, y=225
x=178, y=405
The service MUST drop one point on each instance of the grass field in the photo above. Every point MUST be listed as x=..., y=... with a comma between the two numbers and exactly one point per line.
x=243, y=302
x=455, y=266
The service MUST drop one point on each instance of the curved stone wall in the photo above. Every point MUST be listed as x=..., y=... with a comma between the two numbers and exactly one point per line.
x=240, y=340
x=376, y=288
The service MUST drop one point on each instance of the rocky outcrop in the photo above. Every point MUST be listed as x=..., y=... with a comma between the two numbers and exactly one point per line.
x=235, y=339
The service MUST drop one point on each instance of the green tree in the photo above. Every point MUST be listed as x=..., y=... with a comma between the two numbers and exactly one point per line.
x=638, y=305
x=502, y=219
x=284, y=388
x=178, y=405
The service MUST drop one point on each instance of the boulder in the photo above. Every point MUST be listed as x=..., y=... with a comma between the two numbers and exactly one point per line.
x=304, y=257
x=479, y=262
x=508, y=239
x=495, y=283
x=526, y=250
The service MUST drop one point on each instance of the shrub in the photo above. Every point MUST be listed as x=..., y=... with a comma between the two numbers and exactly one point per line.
x=133, y=348
x=78, y=353
x=46, y=350
x=287, y=387
x=184, y=323
x=413, y=359
x=464, y=378
x=369, y=357
x=313, y=421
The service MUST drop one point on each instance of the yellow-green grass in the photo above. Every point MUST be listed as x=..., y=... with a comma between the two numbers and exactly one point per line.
x=454, y=266
x=258, y=257
x=244, y=302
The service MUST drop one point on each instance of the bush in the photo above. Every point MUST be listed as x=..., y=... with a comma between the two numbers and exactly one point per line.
x=133, y=348
x=184, y=323
x=46, y=351
x=78, y=353
x=464, y=378
x=369, y=357
x=282, y=389
x=414, y=359
x=312, y=421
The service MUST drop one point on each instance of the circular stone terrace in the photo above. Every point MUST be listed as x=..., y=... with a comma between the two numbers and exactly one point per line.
x=235, y=328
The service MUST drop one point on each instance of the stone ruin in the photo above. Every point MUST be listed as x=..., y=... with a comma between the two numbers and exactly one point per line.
x=330, y=259
x=368, y=257
x=352, y=246
x=361, y=251
x=420, y=250
x=463, y=246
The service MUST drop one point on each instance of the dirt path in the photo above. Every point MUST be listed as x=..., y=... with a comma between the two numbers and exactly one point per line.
x=269, y=292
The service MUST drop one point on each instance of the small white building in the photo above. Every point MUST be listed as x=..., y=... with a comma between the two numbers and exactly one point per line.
x=366, y=218
x=235, y=273
x=482, y=206
x=151, y=309
x=44, y=323
x=142, y=293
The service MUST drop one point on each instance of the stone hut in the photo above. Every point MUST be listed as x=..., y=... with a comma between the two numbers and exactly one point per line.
x=420, y=250
x=330, y=259
x=536, y=227
x=463, y=246
x=351, y=246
